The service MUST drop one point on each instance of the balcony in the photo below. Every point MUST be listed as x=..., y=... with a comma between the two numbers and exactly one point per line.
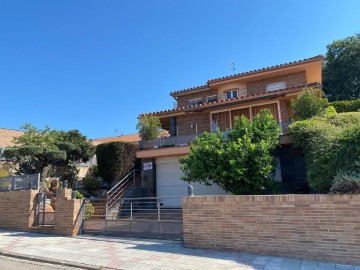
x=184, y=140
x=213, y=98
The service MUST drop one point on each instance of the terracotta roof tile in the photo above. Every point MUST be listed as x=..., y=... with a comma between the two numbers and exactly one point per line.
x=7, y=136
x=123, y=138
x=247, y=98
x=318, y=57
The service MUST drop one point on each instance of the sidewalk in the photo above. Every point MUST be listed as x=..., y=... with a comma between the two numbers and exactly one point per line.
x=120, y=253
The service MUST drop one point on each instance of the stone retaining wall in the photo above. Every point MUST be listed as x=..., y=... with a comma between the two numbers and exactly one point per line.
x=323, y=227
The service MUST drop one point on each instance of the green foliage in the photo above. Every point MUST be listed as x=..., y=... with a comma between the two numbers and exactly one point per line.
x=37, y=150
x=241, y=163
x=91, y=183
x=330, y=110
x=346, y=105
x=79, y=195
x=308, y=104
x=115, y=159
x=341, y=71
x=89, y=210
x=93, y=171
x=330, y=144
x=149, y=127
x=3, y=172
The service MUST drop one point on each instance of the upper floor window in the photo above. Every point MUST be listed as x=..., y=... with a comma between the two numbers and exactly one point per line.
x=232, y=94
x=211, y=98
x=193, y=102
x=275, y=86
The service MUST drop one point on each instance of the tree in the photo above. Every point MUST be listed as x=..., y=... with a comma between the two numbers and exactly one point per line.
x=341, y=72
x=240, y=163
x=37, y=150
x=149, y=127
x=115, y=159
x=309, y=103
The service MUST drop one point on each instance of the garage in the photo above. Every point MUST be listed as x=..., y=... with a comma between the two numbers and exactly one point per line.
x=169, y=183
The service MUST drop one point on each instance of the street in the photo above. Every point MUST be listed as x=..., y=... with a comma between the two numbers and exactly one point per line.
x=8, y=263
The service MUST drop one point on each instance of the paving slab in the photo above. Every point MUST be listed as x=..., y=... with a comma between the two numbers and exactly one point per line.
x=145, y=254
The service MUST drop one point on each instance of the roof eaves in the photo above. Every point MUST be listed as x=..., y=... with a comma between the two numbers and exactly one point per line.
x=226, y=101
x=298, y=62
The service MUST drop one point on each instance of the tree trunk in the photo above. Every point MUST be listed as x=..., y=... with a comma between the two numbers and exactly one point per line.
x=43, y=175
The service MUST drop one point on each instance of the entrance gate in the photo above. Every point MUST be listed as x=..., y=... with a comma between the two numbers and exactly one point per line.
x=149, y=217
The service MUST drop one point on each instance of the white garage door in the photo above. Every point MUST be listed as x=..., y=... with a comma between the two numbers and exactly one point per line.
x=169, y=184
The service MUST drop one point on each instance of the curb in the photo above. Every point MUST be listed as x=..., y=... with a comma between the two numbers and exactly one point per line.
x=48, y=261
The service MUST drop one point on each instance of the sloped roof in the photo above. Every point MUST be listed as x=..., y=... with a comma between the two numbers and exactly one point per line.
x=7, y=136
x=247, y=73
x=247, y=98
x=123, y=138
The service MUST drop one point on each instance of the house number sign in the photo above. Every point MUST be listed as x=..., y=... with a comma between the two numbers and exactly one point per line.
x=147, y=166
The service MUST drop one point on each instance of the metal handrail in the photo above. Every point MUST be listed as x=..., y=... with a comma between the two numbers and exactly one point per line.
x=116, y=191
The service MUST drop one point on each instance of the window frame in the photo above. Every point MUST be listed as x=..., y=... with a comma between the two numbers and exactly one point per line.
x=232, y=91
x=197, y=100
x=212, y=96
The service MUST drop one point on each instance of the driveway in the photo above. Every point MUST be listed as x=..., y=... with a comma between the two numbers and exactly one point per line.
x=121, y=253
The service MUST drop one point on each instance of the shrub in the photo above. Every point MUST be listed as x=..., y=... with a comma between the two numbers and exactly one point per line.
x=346, y=105
x=91, y=183
x=93, y=171
x=346, y=184
x=309, y=103
x=3, y=173
x=330, y=143
x=330, y=110
x=149, y=127
x=115, y=159
x=240, y=163
x=89, y=210
x=79, y=195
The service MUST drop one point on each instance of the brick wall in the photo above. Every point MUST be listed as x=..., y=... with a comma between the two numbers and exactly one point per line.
x=292, y=80
x=67, y=215
x=17, y=209
x=323, y=227
x=202, y=120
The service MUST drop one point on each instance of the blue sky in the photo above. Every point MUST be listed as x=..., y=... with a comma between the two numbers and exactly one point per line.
x=96, y=65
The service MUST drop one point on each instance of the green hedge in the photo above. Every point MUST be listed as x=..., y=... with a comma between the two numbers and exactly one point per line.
x=331, y=144
x=115, y=159
x=346, y=105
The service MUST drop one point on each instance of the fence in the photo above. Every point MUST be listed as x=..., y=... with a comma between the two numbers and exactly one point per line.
x=20, y=182
x=141, y=217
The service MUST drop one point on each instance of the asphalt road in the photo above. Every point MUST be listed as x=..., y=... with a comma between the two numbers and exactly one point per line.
x=8, y=263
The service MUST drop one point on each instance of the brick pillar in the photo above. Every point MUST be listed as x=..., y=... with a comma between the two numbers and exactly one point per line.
x=68, y=213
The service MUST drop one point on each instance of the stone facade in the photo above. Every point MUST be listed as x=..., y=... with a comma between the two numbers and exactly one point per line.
x=319, y=227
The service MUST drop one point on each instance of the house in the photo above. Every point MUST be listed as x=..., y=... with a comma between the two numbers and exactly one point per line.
x=215, y=105
x=6, y=140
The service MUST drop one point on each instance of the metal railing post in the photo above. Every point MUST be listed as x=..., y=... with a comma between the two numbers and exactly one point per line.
x=131, y=217
x=44, y=202
x=38, y=209
x=134, y=178
x=13, y=183
x=158, y=219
